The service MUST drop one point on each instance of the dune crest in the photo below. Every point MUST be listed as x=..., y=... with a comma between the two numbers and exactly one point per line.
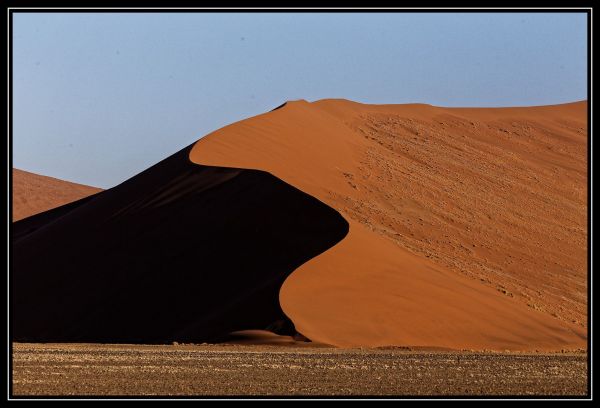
x=467, y=226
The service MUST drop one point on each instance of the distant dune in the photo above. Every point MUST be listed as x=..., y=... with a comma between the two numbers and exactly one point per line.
x=34, y=194
x=352, y=224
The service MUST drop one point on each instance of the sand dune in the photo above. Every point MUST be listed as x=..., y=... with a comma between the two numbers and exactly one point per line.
x=33, y=193
x=366, y=225
x=467, y=226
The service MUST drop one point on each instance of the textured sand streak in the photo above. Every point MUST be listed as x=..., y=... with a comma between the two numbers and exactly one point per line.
x=516, y=220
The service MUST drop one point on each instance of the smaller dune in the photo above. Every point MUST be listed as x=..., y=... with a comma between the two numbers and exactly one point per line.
x=33, y=193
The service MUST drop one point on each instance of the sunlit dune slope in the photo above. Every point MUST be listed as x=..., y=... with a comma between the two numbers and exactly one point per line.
x=467, y=226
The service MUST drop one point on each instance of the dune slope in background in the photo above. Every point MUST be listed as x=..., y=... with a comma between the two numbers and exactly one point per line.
x=467, y=226
x=33, y=193
x=180, y=252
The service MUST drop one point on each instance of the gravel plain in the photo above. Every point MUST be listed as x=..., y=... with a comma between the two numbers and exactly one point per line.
x=270, y=371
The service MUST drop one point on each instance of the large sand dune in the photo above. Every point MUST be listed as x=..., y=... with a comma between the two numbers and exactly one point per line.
x=366, y=225
x=467, y=226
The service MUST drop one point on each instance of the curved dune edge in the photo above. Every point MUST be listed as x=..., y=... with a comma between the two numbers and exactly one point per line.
x=367, y=291
x=180, y=252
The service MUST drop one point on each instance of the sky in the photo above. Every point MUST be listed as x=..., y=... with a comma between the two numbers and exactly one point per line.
x=99, y=97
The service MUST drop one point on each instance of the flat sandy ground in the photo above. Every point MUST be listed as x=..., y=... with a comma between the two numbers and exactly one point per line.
x=242, y=370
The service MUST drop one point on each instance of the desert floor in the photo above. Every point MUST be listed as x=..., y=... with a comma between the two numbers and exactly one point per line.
x=247, y=370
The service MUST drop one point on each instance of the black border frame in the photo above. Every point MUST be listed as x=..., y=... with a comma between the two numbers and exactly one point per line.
x=189, y=9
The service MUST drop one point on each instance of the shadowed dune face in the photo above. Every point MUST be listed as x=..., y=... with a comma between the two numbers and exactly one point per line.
x=467, y=226
x=180, y=252
x=33, y=193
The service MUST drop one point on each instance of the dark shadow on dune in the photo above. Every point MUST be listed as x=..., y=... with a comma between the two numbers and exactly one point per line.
x=180, y=252
x=24, y=227
x=278, y=107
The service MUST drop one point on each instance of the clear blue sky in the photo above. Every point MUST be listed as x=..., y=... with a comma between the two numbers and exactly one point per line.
x=98, y=98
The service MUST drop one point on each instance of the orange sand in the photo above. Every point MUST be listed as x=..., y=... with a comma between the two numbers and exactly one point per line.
x=33, y=194
x=467, y=226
